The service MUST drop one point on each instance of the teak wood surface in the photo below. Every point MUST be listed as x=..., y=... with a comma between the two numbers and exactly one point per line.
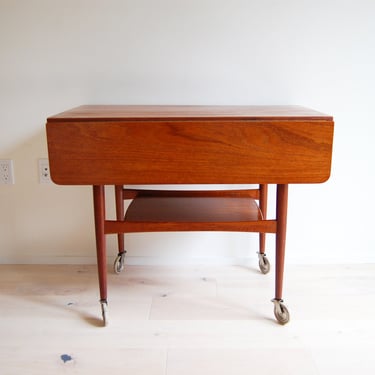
x=124, y=145
x=114, y=145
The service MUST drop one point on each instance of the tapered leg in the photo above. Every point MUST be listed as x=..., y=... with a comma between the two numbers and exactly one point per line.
x=120, y=216
x=119, y=264
x=280, y=310
x=264, y=264
x=263, y=208
x=281, y=217
x=99, y=212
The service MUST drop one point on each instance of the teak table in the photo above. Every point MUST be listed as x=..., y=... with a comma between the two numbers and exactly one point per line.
x=122, y=145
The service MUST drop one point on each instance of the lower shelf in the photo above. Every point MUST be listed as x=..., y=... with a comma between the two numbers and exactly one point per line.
x=168, y=214
x=192, y=209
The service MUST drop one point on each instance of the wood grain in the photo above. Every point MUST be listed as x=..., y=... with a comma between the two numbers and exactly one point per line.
x=246, y=145
x=201, y=209
x=164, y=112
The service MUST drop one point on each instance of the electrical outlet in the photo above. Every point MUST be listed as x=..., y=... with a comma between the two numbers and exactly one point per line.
x=44, y=173
x=6, y=172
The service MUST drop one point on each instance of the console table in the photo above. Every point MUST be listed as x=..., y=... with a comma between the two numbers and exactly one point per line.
x=124, y=145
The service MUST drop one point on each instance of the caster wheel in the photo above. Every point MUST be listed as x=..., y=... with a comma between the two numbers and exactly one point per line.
x=119, y=265
x=280, y=311
x=264, y=264
x=104, y=307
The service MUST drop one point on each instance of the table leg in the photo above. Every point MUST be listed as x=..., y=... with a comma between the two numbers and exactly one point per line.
x=120, y=215
x=99, y=213
x=263, y=208
x=280, y=311
x=281, y=217
x=119, y=264
x=264, y=264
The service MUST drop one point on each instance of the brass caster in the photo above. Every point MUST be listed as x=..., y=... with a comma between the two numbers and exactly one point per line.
x=264, y=264
x=281, y=312
x=119, y=263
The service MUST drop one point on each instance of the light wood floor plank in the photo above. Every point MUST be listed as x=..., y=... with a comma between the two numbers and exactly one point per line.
x=184, y=320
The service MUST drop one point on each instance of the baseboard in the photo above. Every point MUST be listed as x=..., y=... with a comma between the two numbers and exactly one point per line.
x=132, y=260
x=181, y=261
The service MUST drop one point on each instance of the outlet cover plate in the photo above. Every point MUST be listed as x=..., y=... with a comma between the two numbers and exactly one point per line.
x=44, y=172
x=6, y=172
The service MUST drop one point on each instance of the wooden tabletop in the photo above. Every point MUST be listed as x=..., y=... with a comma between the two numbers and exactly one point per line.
x=116, y=144
x=161, y=112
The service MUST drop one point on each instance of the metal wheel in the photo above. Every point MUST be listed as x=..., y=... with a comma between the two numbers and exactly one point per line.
x=264, y=264
x=280, y=311
x=119, y=265
x=104, y=307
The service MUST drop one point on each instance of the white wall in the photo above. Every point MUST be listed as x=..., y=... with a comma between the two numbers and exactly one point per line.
x=55, y=55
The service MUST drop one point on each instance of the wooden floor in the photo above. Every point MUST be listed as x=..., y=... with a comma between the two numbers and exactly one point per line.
x=187, y=320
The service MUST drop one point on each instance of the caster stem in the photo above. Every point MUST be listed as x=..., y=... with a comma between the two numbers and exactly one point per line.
x=104, y=307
